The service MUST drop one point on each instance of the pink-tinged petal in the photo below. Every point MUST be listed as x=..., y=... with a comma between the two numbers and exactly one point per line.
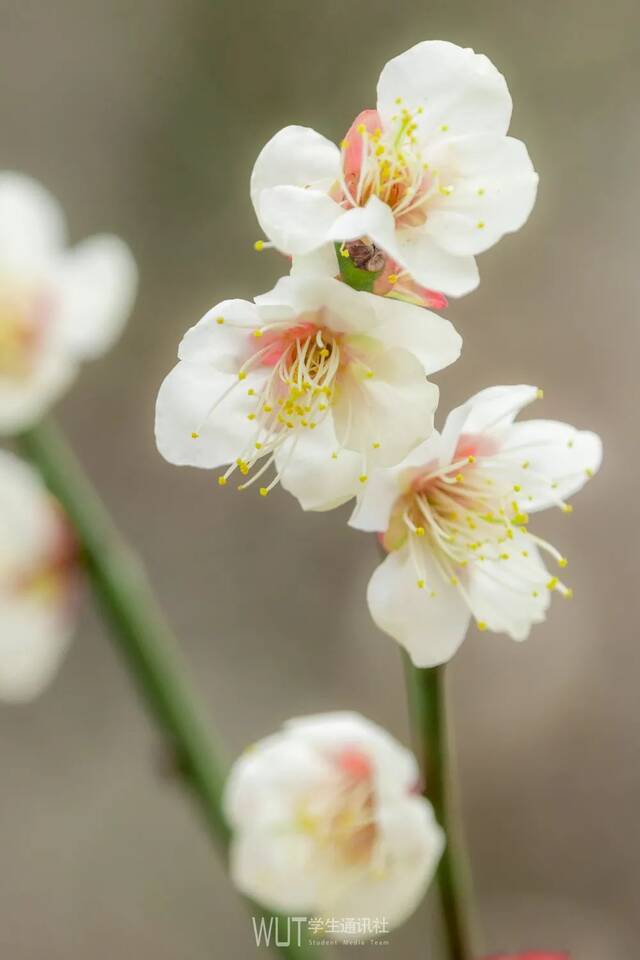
x=352, y=143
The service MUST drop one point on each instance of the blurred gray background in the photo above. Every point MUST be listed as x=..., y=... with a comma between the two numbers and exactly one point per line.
x=144, y=118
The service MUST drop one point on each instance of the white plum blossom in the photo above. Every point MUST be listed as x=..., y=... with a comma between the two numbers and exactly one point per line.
x=427, y=180
x=58, y=305
x=454, y=518
x=37, y=582
x=327, y=819
x=315, y=382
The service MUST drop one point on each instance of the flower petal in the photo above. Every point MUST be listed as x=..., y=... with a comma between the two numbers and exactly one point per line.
x=494, y=188
x=490, y=410
x=430, y=623
x=223, y=336
x=297, y=221
x=316, y=471
x=509, y=596
x=97, y=280
x=394, y=768
x=409, y=848
x=34, y=637
x=32, y=224
x=432, y=266
x=281, y=871
x=190, y=402
x=383, y=417
x=297, y=157
x=25, y=400
x=559, y=459
x=431, y=338
x=460, y=90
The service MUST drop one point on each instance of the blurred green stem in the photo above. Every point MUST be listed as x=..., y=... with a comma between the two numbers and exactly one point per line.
x=140, y=631
x=427, y=703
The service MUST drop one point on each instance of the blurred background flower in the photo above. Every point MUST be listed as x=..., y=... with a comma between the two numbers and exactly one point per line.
x=145, y=120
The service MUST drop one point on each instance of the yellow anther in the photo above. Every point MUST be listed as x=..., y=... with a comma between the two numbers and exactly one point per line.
x=392, y=278
x=419, y=531
x=567, y=508
x=334, y=455
x=568, y=594
x=454, y=581
x=480, y=191
x=324, y=352
x=322, y=406
x=535, y=594
x=525, y=553
x=552, y=584
x=398, y=100
x=363, y=478
x=526, y=465
x=539, y=394
x=257, y=333
x=267, y=408
x=446, y=191
x=420, y=584
x=251, y=416
x=369, y=374
x=375, y=445
x=481, y=625
x=222, y=481
x=517, y=487
x=258, y=245
x=344, y=252
x=562, y=562
x=504, y=556
x=444, y=127
x=251, y=392
x=344, y=144
x=361, y=128
x=263, y=491
x=379, y=150
x=219, y=320
x=459, y=478
x=480, y=224
x=471, y=459
x=569, y=443
x=194, y=435
x=588, y=472
x=242, y=375
x=258, y=445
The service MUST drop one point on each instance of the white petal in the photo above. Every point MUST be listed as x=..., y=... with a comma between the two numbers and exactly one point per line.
x=494, y=189
x=32, y=225
x=313, y=475
x=344, y=310
x=34, y=637
x=97, y=281
x=458, y=88
x=185, y=405
x=395, y=770
x=297, y=221
x=296, y=157
x=269, y=779
x=392, y=410
x=431, y=338
x=374, y=220
x=432, y=266
x=410, y=846
x=375, y=503
x=280, y=871
x=25, y=400
x=225, y=345
x=430, y=627
x=490, y=410
x=559, y=458
x=320, y=263
x=28, y=521
x=502, y=592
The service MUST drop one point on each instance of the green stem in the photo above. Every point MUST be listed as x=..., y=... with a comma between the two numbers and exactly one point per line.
x=427, y=703
x=140, y=631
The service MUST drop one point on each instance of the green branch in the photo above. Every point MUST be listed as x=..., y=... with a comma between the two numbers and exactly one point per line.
x=427, y=704
x=140, y=632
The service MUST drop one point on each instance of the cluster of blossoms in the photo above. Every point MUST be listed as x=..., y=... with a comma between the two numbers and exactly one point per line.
x=321, y=385
x=58, y=307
